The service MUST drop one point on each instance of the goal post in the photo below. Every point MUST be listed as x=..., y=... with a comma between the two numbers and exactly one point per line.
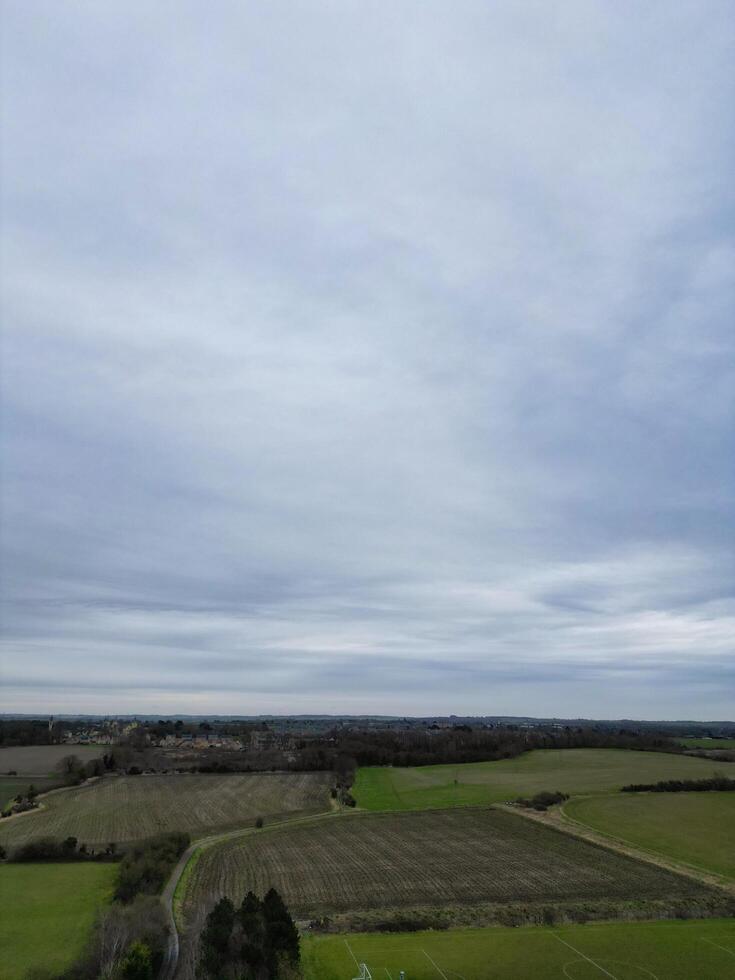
x=364, y=973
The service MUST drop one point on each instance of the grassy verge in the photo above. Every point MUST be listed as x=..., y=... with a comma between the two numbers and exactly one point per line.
x=182, y=885
x=695, y=828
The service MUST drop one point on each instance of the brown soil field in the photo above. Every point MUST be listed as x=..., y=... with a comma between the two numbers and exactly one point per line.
x=429, y=858
x=41, y=760
x=125, y=808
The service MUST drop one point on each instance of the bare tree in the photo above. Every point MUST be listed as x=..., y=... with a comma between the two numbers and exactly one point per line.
x=70, y=765
x=122, y=925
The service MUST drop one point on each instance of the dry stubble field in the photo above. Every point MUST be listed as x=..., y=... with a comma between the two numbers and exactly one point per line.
x=125, y=808
x=41, y=760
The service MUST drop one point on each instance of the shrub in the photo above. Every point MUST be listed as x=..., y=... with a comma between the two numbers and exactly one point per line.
x=542, y=801
x=45, y=849
x=146, y=866
x=138, y=963
x=716, y=783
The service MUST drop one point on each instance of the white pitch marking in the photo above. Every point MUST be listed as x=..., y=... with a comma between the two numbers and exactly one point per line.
x=713, y=943
x=580, y=953
x=352, y=954
x=438, y=970
x=386, y=970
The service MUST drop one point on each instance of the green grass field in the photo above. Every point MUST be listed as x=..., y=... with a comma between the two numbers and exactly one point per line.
x=124, y=808
x=46, y=913
x=11, y=786
x=708, y=743
x=572, y=771
x=698, y=828
x=695, y=950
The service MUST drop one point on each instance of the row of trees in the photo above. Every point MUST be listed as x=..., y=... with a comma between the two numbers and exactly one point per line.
x=57, y=849
x=714, y=784
x=130, y=938
x=128, y=943
x=462, y=743
x=25, y=731
x=257, y=941
x=146, y=866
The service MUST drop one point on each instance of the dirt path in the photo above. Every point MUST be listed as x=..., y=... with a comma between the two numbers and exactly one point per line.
x=50, y=792
x=556, y=817
x=171, y=959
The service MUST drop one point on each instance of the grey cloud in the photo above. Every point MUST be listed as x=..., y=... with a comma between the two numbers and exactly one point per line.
x=368, y=348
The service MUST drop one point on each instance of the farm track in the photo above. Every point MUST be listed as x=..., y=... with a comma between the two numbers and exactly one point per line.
x=560, y=820
x=168, y=896
x=49, y=792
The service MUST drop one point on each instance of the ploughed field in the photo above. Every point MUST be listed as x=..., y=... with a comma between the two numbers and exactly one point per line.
x=41, y=760
x=697, y=828
x=442, y=858
x=125, y=808
x=571, y=771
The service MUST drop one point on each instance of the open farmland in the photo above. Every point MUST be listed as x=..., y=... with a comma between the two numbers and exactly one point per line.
x=570, y=770
x=708, y=743
x=697, y=828
x=624, y=951
x=443, y=858
x=124, y=808
x=11, y=786
x=41, y=760
x=46, y=914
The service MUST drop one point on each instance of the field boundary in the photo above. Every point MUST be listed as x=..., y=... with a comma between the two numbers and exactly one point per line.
x=50, y=792
x=561, y=821
x=706, y=873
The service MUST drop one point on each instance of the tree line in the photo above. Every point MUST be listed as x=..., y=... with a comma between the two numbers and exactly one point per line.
x=130, y=937
x=257, y=941
x=713, y=784
x=56, y=849
x=460, y=744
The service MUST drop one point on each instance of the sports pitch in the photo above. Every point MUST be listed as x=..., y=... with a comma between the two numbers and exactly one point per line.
x=692, y=950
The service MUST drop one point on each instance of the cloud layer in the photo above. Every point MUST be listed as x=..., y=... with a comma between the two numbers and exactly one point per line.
x=368, y=358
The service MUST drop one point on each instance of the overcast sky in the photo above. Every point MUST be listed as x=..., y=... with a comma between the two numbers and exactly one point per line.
x=369, y=357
